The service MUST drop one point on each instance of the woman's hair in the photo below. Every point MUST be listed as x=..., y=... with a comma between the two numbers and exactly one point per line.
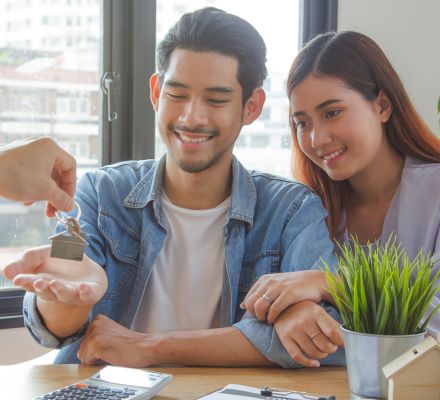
x=360, y=63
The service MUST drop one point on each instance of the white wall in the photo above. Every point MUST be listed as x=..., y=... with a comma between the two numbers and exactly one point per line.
x=409, y=33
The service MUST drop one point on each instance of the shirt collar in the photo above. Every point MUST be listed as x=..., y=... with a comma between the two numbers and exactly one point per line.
x=243, y=198
x=148, y=189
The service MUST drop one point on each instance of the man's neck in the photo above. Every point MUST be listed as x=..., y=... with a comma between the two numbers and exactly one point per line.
x=198, y=191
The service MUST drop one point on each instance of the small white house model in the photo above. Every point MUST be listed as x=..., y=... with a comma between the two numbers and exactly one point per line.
x=416, y=373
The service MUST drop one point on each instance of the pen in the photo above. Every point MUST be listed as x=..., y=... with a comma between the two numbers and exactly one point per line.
x=280, y=393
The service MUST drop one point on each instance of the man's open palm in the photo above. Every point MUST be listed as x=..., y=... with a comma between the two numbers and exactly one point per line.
x=55, y=279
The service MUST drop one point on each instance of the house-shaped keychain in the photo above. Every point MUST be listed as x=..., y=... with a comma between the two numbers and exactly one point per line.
x=67, y=246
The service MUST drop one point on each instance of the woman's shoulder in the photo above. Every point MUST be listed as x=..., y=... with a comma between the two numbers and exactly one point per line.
x=421, y=170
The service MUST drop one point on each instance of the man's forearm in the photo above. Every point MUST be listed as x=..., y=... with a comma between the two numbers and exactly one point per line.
x=62, y=320
x=209, y=347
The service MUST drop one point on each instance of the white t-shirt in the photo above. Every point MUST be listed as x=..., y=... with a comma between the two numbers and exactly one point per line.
x=184, y=289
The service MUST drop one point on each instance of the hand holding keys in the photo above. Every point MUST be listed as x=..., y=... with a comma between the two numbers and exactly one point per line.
x=71, y=243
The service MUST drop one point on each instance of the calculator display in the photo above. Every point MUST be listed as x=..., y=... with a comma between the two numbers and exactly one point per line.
x=129, y=377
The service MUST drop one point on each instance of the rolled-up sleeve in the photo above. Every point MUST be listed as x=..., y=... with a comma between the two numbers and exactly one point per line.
x=36, y=327
x=305, y=245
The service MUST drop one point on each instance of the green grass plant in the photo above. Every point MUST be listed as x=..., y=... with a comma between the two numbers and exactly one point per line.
x=378, y=290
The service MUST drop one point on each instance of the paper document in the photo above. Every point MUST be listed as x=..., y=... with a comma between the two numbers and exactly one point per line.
x=239, y=392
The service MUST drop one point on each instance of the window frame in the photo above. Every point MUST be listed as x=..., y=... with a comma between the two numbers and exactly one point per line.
x=11, y=305
x=128, y=49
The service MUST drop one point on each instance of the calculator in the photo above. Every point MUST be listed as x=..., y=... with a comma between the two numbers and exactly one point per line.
x=113, y=383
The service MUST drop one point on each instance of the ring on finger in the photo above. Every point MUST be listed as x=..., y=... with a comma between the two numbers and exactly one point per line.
x=315, y=334
x=257, y=294
x=267, y=298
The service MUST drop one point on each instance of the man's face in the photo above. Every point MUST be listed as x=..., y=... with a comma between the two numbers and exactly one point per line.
x=199, y=108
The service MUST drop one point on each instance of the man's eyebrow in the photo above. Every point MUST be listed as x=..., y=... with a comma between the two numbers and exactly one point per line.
x=220, y=89
x=216, y=89
x=318, y=107
x=175, y=84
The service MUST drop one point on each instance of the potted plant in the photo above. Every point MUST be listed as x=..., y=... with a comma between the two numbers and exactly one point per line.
x=382, y=297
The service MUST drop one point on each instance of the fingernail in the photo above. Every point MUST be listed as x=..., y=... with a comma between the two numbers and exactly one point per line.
x=242, y=306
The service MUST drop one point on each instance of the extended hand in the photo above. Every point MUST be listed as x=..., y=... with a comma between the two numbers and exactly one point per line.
x=111, y=342
x=273, y=293
x=58, y=280
x=308, y=333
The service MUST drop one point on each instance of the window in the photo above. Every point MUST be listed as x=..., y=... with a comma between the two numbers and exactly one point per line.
x=47, y=88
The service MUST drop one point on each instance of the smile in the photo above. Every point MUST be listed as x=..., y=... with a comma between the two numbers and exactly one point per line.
x=335, y=154
x=188, y=139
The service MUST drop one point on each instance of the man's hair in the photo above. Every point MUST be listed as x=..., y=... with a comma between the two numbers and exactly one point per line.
x=211, y=29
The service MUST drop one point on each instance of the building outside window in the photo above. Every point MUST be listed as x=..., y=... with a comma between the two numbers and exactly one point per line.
x=48, y=87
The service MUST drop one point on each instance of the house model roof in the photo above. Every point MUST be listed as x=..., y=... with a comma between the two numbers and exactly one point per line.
x=62, y=237
x=411, y=356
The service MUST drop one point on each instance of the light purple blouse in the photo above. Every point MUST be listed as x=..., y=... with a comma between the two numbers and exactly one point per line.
x=414, y=217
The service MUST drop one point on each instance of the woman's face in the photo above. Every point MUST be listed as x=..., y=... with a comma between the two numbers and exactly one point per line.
x=336, y=127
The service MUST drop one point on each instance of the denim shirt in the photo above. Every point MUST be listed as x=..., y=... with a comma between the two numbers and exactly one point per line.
x=272, y=225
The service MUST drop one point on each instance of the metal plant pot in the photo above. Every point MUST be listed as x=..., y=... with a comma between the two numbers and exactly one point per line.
x=366, y=354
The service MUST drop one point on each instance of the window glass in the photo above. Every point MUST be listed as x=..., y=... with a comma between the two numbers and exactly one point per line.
x=49, y=73
x=265, y=144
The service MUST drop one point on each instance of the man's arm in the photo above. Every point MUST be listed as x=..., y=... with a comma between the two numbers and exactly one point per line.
x=65, y=290
x=109, y=341
x=305, y=242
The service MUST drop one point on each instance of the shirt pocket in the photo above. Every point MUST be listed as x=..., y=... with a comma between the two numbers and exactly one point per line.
x=264, y=262
x=123, y=246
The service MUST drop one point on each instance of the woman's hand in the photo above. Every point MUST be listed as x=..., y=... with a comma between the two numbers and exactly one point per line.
x=308, y=333
x=273, y=293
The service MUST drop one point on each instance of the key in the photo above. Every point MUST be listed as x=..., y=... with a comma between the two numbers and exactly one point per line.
x=71, y=243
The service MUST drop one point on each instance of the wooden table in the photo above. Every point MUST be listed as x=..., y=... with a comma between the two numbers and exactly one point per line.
x=26, y=382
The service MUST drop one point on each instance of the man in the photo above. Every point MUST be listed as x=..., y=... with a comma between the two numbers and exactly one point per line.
x=36, y=170
x=174, y=245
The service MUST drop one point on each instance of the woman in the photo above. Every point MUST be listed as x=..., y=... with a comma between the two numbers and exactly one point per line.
x=360, y=144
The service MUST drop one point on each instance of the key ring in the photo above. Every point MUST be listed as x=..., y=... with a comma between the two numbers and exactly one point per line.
x=71, y=223
x=63, y=221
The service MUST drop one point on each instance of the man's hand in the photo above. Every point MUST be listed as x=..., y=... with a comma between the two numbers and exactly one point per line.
x=66, y=290
x=38, y=170
x=308, y=333
x=273, y=293
x=111, y=342
x=58, y=280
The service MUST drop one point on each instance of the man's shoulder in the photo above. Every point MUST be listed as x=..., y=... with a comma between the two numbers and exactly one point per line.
x=127, y=171
x=119, y=178
x=274, y=184
x=129, y=166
